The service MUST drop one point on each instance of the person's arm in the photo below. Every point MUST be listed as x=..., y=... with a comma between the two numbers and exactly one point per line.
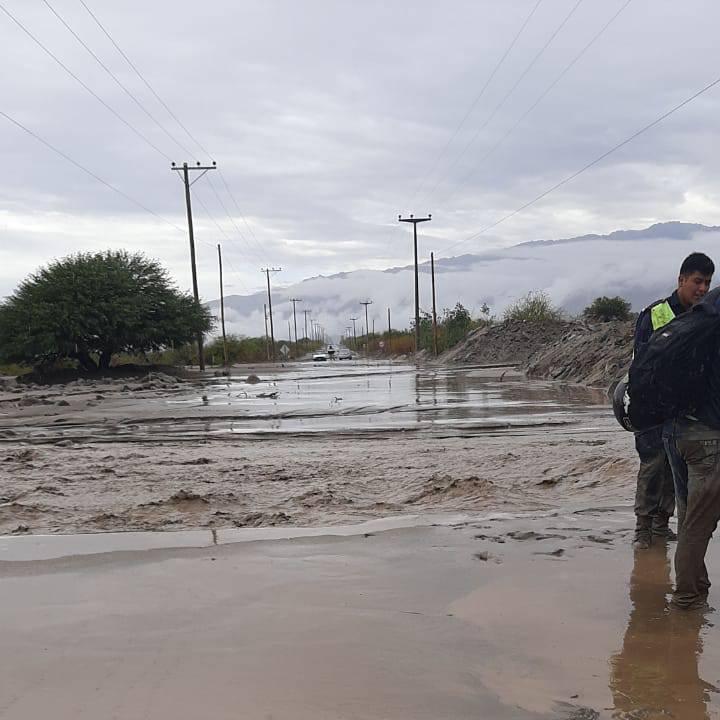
x=643, y=331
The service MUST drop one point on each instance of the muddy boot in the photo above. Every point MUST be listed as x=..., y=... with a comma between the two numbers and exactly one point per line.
x=643, y=533
x=661, y=528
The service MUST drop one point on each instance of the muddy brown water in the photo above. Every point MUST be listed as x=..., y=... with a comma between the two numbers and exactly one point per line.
x=332, y=397
x=307, y=445
x=528, y=617
x=507, y=588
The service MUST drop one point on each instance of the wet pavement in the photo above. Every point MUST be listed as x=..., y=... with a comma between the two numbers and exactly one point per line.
x=517, y=617
x=332, y=397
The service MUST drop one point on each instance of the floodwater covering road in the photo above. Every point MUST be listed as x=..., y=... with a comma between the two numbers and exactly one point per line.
x=311, y=398
x=365, y=540
x=304, y=444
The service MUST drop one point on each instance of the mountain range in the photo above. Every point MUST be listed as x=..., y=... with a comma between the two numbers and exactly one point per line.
x=639, y=265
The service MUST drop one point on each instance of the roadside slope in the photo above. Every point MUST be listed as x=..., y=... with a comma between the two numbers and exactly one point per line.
x=593, y=354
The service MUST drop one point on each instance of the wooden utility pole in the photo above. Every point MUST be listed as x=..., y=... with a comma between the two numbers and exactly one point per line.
x=293, y=301
x=222, y=309
x=432, y=275
x=188, y=206
x=306, y=313
x=267, y=339
x=354, y=333
x=367, y=326
x=412, y=219
x=267, y=272
x=389, y=333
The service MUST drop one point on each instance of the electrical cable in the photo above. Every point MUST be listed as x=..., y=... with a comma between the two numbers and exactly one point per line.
x=89, y=172
x=589, y=165
x=85, y=86
x=232, y=220
x=117, y=81
x=507, y=96
x=180, y=123
x=144, y=80
x=474, y=103
x=546, y=92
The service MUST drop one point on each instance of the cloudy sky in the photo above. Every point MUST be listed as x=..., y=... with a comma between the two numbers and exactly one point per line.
x=328, y=118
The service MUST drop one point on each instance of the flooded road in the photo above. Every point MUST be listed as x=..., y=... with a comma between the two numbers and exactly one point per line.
x=303, y=445
x=333, y=397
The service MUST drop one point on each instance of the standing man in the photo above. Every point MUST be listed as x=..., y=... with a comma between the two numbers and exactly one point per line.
x=696, y=437
x=656, y=489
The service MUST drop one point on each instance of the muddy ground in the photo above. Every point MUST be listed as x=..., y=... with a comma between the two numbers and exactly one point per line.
x=166, y=453
x=595, y=354
x=545, y=616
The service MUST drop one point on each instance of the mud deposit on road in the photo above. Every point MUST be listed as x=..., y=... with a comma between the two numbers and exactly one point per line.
x=306, y=445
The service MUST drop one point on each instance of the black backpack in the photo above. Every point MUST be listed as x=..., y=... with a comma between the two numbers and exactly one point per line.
x=671, y=374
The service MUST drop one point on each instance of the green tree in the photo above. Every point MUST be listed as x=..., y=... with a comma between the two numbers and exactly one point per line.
x=91, y=306
x=456, y=324
x=533, y=307
x=605, y=309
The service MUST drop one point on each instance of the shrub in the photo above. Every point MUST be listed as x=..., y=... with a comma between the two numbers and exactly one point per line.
x=533, y=307
x=605, y=309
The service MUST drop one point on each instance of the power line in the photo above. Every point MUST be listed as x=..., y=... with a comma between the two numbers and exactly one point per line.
x=237, y=207
x=594, y=162
x=89, y=172
x=507, y=96
x=474, y=103
x=115, y=78
x=547, y=90
x=86, y=87
x=174, y=117
x=259, y=256
x=222, y=231
x=144, y=80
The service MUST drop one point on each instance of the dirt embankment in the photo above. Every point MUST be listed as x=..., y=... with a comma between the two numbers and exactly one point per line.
x=594, y=354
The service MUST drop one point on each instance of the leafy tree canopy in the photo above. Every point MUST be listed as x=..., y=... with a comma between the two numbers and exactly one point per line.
x=91, y=306
x=605, y=309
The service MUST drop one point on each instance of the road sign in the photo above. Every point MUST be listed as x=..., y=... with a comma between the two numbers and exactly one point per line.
x=285, y=350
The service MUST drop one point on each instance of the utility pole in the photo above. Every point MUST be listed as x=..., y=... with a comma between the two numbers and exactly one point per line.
x=222, y=308
x=354, y=333
x=267, y=339
x=432, y=275
x=389, y=333
x=186, y=181
x=367, y=326
x=415, y=222
x=267, y=272
x=293, y=301
x=306, y=313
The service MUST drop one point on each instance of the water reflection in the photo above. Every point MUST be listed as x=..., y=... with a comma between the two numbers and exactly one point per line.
x=377, y=398
x=655, y=674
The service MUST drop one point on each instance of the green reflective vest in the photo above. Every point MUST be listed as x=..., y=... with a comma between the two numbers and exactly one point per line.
x=661, y=314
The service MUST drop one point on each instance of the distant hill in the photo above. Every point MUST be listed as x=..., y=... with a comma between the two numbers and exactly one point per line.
x=639, y=265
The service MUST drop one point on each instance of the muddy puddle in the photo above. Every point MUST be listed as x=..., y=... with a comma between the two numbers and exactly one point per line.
x=303, y=446
x=336, y=397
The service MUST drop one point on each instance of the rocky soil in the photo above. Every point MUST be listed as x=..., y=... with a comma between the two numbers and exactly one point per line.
x=593, y=354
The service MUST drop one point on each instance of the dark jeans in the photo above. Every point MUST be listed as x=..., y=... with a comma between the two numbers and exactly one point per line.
x=655, y=493
x=679, y=469
x=699, y=446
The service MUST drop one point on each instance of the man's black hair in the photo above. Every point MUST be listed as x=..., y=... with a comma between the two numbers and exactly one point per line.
x=697, y=262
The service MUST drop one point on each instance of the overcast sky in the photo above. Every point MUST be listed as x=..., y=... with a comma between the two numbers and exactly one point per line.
x=328, y=118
